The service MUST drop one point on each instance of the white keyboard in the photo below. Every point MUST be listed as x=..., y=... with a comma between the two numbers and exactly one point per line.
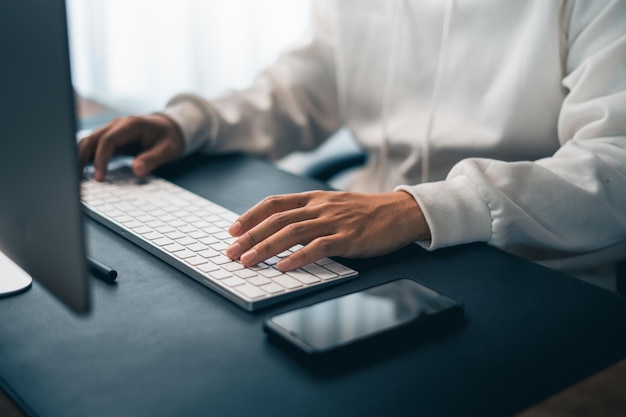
x=190, y=233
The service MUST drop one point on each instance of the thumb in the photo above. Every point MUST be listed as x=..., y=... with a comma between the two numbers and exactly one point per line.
x=140, y=168
x=152, y=158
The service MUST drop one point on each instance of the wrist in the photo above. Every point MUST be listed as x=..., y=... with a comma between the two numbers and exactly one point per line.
x=410, y=210
x=173, y=128
x=198, y=124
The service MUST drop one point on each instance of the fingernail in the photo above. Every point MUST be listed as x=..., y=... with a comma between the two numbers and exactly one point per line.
x=285, y=264
x=234, y=251
x=249, y=258
x=235, y=229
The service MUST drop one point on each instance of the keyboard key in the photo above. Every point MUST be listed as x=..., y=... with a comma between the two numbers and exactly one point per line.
x=173, y=233
x=187, y=228
x=220, y=274
x=223, y=224
x=220, y=259
x=229, y=216
x=142, y=230
x=174, y=247
x=246, y=273
x=273, y=260
x=173, y=221
x=196, y=260
x=219, y=246
x=338, y=268
x=319, y=271
x=153, y=235
x=208, y=253
x=324, y=261
x=270, y=272
x=197, y=247
x=208, y=267
x=233, y=281
x=258, y=267
x=186, y=241
x=115, y=213
x=209, y=240
x=133, y=224
x=197, y=234
x=272, y=288
x=257, y=280
x=232, y=266
x=184, y=254
x=201, y=224
x=303, y=276
x=222, y=235
x=163, y=241
x=250, y=291
x=287, y=281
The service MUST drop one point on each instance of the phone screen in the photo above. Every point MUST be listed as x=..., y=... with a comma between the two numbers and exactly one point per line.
x=343, y=320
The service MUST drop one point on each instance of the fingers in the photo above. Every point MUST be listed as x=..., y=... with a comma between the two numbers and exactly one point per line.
x=263, y=220
x=286, y=229
x=269, y=242
x=155, y=139
x=115, y=137
x=314, y=251
x=87, y=146
x=104, y=142
x=266, y=208
x=278, y=223
x=309, y=230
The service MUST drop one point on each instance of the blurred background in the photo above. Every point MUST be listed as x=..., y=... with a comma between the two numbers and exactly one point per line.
x=134, y=55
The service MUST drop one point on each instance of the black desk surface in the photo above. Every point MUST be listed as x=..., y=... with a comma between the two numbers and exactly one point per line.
x=159, y=344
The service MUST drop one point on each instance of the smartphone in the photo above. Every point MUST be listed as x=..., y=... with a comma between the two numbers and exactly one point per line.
x=403, y=308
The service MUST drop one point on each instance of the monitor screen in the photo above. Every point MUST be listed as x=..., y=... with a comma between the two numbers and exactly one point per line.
x=41, y=225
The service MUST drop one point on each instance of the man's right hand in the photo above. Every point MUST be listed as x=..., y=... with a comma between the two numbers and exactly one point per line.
x=154, y=139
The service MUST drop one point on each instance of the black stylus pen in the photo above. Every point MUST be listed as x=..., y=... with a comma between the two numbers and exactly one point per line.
x=101, y=271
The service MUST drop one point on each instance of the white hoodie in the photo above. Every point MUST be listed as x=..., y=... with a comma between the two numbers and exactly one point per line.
x=504, y=119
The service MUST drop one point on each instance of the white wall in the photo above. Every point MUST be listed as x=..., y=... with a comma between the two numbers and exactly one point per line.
x=135, y=54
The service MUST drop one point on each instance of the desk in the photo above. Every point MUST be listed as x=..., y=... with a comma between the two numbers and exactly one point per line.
x=160, y=344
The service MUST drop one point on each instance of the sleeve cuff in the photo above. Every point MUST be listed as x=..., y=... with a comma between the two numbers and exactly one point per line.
x=454, y=210
x=198, y=124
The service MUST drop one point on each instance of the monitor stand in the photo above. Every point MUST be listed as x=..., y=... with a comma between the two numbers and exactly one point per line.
x=13, y=279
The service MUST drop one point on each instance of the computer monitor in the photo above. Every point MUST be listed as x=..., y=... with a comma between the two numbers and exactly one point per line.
x=41, y=225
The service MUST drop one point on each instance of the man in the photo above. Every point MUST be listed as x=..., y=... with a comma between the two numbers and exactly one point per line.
x=502, y=122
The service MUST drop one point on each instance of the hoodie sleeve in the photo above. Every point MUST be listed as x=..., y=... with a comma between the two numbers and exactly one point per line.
x=567, y=204
x=292, y=105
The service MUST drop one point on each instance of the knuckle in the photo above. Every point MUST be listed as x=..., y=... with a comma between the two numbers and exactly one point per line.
x=295, y=229
x=248, y=239
x=325, y=245
x=278, y=219
x=265, y=249
x=132, y=119
x=107, y=140
x=271, y=201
